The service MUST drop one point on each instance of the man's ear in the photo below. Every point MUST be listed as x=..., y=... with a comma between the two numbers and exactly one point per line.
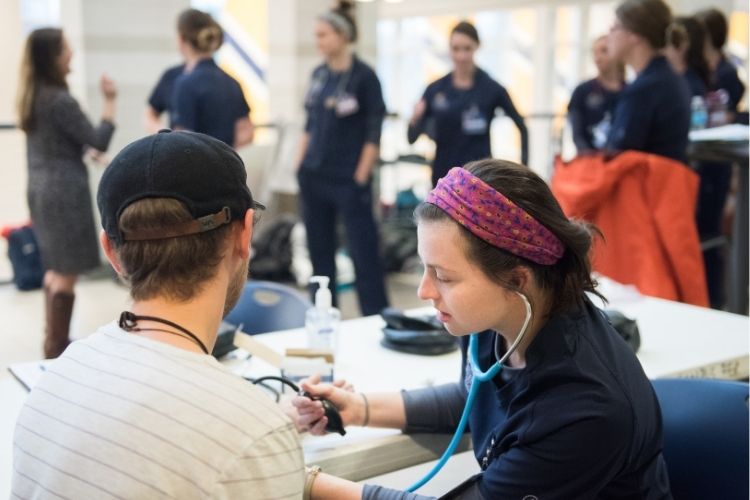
x=110, y=252
x=246, y=235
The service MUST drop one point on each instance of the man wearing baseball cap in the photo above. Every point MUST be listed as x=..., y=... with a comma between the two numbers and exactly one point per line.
x=140, y=409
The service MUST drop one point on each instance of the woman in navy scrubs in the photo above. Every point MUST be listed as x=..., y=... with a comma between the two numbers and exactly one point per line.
x=571, y=415
x=456, y=110
x=723, y=73
x=593, y=102
x=653, y=112
x=205, y=99
x=339, y=149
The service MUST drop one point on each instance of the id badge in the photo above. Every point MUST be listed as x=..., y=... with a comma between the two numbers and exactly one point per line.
x=473, y=123
x=346, y=105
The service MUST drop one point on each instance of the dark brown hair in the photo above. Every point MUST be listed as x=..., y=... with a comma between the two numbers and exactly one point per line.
x=39, y=66
x=467, y=29
x=690, y=30
x=716, y=26
x=565, y=281
x=647, y=18
x=176, y=268
x=200, y=30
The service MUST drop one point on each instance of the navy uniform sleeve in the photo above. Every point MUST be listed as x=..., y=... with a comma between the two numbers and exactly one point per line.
x=159, y=98
x=630, y=126
x=576, y=460
x=728, y=80
x=373, y=106
x=414, y=131
x=575, y=118
x=243, y=108
x=434, y=409
x=185, y=106
x=506, y=104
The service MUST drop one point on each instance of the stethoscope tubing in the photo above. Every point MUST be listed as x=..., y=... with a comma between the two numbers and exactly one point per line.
x=479, y=377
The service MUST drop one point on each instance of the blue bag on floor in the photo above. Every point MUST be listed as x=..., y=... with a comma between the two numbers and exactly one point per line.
x=23, y=252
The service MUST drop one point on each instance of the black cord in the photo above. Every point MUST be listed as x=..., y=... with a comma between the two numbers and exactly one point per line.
x=272, y=390
x=129, y=322
x=283, y=380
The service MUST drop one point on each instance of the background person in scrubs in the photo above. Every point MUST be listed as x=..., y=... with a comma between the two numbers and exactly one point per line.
x=456, y=111
x=338, y=151
x=593, y=102
x=653, y=112
x=205, y=99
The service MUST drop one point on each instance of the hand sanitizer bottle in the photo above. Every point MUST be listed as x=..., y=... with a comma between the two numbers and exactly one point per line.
x=322, y=320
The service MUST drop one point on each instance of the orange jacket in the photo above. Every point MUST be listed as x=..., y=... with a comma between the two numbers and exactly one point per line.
x=645, y=206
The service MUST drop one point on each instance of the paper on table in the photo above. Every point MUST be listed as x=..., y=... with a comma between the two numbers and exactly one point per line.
x=734, y=132
x=28, y=374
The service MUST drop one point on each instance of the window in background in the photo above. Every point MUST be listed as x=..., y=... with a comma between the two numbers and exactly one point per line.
x=39, y=14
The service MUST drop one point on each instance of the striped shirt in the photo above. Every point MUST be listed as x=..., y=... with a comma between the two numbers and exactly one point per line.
x=123, y=416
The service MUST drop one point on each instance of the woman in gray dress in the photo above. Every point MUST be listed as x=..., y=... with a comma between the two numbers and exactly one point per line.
x=57, y=133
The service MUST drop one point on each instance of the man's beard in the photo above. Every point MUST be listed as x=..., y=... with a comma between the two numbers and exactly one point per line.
x=235, y=288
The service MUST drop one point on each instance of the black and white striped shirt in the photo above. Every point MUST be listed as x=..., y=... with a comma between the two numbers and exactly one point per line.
x=123, y=416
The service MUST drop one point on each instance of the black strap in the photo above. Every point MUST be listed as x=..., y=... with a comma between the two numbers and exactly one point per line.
x=129, y=323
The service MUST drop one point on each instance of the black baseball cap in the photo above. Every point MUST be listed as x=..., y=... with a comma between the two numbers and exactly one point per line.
x=202, y=172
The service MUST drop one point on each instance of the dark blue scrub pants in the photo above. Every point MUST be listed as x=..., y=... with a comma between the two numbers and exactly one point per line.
x=321, y=201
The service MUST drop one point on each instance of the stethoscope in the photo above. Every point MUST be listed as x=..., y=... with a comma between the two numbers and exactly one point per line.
x=479, y=377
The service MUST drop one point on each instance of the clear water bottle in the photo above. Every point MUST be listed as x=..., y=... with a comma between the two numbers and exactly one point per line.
x=698, y=113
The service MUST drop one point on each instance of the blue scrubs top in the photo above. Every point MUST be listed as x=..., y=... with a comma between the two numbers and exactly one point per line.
x=458, y=120
x=161, y=96
x=209, y=101
x=580, y=420
x=726, y=78
x=653, y=113
x=345, y=110
x=590, y=113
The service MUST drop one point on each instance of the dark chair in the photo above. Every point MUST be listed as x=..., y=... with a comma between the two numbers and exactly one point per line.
x=266, y=307
x=705, y=437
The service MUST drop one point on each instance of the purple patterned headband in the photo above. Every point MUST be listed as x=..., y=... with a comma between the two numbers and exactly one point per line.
x=493, y=218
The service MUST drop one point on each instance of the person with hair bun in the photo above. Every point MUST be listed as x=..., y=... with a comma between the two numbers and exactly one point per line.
x=204, y=98
x=456, y=111
x=338, y=151
x=571, y=414
x=653, y=112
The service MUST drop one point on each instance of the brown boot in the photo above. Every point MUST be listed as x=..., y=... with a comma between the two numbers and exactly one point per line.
x=59, y=311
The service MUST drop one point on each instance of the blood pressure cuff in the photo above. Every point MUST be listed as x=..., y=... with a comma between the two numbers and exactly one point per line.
x=415, y=335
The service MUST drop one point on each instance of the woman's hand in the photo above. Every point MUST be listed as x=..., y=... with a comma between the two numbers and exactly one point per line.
x=108, y=88
x=310, y=415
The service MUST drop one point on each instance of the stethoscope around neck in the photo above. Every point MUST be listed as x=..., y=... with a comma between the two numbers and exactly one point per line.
x=478, y=377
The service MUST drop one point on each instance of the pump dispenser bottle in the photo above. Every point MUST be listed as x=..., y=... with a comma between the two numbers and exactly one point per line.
x=322, y=320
